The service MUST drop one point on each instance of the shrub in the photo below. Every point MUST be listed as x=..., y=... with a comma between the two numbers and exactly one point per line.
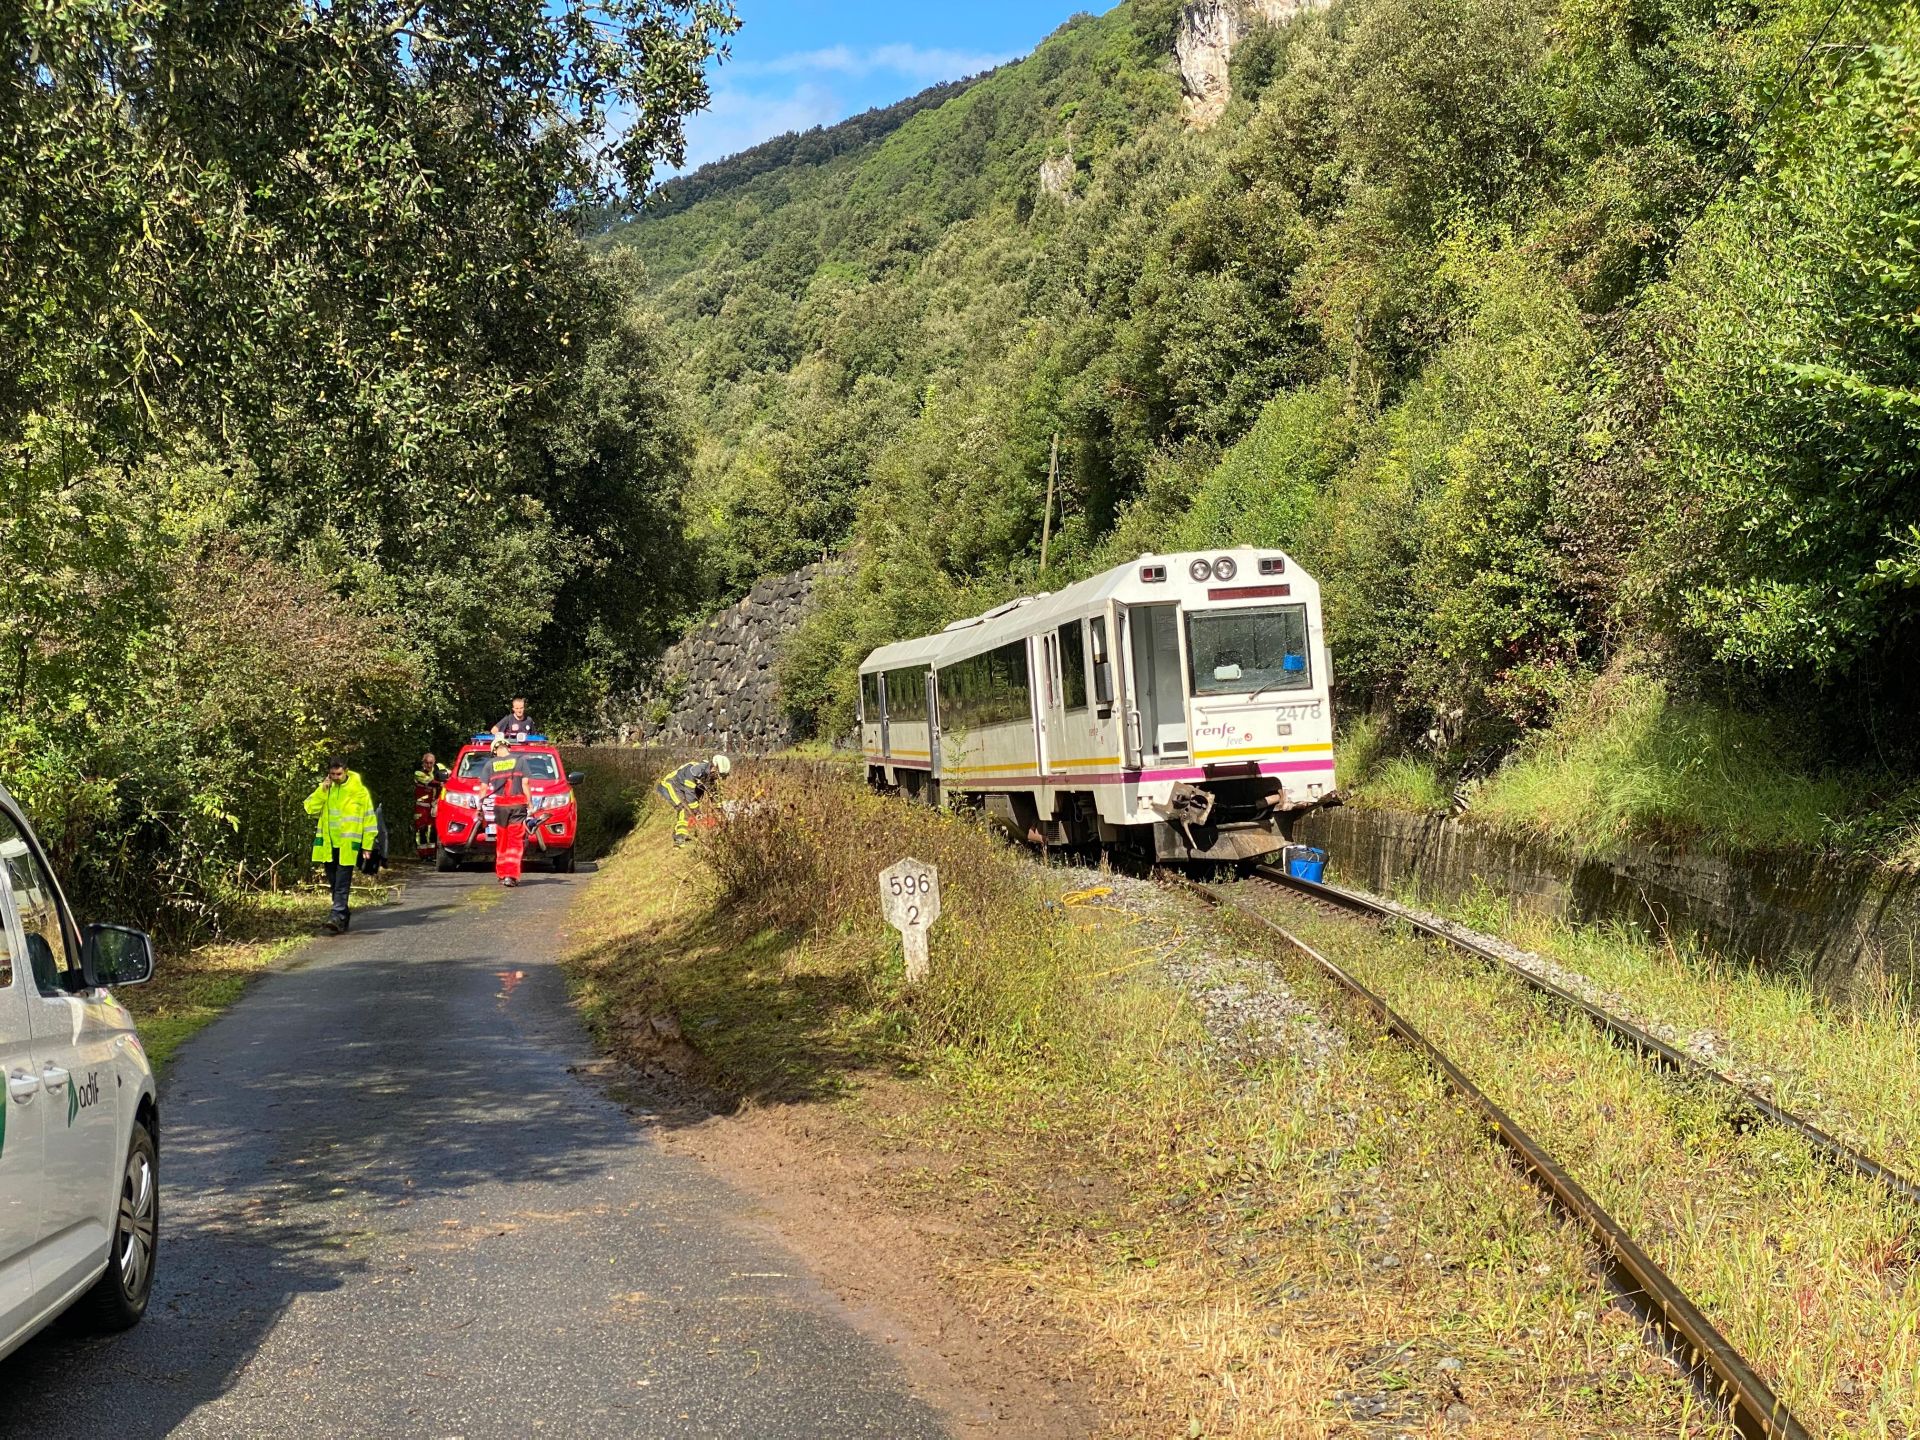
x=804, y=854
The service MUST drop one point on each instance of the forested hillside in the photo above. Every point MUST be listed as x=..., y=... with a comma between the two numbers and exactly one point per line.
x=1575, y=344
x=321, y=431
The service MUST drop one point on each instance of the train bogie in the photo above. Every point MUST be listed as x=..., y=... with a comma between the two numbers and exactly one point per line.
x=1178, y=705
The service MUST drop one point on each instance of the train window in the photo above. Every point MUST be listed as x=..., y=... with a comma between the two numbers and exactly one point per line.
x=989, y=689
x=1102, y=668
x=1073, y=667
x=907, y=693
x=870, y=699
x=1240, y=652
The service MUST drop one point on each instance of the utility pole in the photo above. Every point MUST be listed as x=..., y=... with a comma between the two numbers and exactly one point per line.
x=1046, y=522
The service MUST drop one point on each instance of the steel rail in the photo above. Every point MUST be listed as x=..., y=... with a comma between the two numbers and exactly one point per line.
x=1757, y=1413
x=1651, y=1047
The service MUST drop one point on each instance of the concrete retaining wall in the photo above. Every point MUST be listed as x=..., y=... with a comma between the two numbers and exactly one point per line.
x=1850, y=926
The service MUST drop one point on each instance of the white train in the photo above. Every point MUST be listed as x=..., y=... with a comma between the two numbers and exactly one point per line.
x=1177, y=706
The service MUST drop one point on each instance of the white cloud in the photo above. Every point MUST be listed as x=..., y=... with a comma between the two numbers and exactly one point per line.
x=738, y=119
x=916, y=62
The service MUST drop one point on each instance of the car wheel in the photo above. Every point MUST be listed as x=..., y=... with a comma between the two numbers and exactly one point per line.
x=445, y=860
x=563, y=862
x=119, y=1298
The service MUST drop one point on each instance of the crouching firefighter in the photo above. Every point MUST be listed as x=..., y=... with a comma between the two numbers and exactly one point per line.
x=686, y=787
x=506, y=788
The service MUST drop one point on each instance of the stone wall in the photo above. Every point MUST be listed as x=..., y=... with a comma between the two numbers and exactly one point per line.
x=1851, y=926
x=719, y=687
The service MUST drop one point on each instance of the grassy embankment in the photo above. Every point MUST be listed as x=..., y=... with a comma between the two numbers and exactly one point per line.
x=1244, y=1241
x=1810, y=1274
x=191, y=987
x=1633, y=764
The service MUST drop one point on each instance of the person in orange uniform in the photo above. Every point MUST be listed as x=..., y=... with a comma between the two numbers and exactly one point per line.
x=428, y=781
x=506, y=785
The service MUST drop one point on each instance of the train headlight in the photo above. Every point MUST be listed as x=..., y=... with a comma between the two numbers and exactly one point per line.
x=1273, y=565
x=1224, y=568
x=1201, y=571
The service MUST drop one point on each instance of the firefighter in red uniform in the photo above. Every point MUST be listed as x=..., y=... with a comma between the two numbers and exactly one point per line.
x=506, y=786
x=428, y=781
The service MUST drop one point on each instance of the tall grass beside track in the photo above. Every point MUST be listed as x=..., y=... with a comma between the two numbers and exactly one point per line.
x=1310, y=1241
x=1851, y=1063
x=1809, y=1273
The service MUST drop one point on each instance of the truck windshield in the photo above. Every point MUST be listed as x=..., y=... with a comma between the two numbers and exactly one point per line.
x=533, y=764
x=1238, y=652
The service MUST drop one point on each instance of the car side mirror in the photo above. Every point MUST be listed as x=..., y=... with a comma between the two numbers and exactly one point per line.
x=574, y=777
x=116, y=955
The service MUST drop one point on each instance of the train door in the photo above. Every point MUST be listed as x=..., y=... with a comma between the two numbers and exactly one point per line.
x=1053, y=718
x=1104, y=725
x=1075, y=743
x=870, y=741
x=1128, y=698
x=886, y=727
x=1155, y=688
x=933, y=723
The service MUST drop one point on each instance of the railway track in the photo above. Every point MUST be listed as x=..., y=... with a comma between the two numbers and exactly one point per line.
x=1747, y=1106
x=1756, y=1412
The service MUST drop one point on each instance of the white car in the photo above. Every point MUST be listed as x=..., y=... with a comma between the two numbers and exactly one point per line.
x=79, y=1125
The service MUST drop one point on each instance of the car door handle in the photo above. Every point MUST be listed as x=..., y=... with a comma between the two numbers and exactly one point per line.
x=54, y=1076
x=22, y=1086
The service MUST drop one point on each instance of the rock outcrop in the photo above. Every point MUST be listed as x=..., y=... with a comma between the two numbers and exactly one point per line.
x=719, y=687
x=1056, y=176
x=1208, y=33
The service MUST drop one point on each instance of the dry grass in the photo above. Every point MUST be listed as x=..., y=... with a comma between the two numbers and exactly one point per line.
x=1810, y=1274
x=1284, y=1247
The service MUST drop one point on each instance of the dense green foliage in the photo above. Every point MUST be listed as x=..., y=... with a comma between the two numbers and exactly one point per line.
x=797, y=149
x=319, y=428
x=1560, y=338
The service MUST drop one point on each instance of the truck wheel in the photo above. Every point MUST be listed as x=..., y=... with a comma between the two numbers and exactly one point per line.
x=445, y=860
x=563, y=862
x=119, y=1298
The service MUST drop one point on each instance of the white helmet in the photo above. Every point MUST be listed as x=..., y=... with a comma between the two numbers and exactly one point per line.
x=722, y=765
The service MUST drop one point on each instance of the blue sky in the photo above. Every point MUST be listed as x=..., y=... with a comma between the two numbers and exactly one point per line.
x=801, y=63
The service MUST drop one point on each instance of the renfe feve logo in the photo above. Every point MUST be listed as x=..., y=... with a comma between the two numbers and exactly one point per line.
x=79, y=1097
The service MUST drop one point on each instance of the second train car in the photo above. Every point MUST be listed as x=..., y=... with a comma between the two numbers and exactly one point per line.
x=1177, y=706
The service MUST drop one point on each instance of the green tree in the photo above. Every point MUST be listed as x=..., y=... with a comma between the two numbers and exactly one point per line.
x=1792, y=440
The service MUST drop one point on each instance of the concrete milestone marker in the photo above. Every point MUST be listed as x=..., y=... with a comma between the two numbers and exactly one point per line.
x=910, y=898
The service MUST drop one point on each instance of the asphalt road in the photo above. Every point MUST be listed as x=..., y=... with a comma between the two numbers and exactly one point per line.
x=391, y=1208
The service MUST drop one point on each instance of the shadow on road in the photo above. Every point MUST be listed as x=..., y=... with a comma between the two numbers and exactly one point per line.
x=363, y=1099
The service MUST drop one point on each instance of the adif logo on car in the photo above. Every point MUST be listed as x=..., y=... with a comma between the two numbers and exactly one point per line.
x=79, y=1097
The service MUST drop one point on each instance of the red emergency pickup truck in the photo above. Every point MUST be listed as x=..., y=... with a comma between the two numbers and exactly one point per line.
x=463, y=820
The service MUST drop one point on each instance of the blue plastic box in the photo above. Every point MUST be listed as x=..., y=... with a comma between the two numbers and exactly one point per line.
x=1307, y=862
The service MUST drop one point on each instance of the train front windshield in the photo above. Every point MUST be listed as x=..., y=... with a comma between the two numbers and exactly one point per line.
x=1239, y=652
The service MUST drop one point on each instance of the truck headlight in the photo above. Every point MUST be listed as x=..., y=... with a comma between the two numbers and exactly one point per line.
x=462, y=799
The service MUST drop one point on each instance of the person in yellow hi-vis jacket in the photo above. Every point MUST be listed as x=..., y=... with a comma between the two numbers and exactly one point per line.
x=345, y=826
